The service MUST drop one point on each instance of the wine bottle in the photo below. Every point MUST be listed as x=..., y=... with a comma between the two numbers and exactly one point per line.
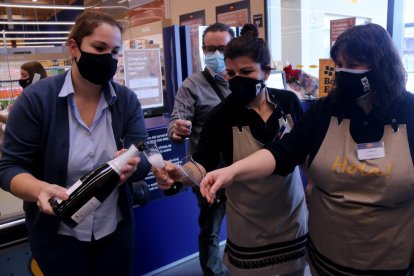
x=88, y=193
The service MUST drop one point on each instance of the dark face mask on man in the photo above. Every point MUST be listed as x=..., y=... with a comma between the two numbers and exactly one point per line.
x=245, y=88
x=353, y=83
x=98, y=69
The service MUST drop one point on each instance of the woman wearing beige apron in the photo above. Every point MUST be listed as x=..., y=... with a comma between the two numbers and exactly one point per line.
x=360, y=144
x=266, y=218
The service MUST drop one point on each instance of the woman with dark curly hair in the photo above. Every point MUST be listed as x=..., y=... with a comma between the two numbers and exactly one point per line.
x=359, y=145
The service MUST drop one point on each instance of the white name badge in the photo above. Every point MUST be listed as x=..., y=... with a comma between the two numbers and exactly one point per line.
x=368, y=151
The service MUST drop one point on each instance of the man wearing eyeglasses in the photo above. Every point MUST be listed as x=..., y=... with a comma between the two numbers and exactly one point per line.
x=197, y=95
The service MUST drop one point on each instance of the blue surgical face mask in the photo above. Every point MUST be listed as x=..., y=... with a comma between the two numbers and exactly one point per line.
x=215, y=62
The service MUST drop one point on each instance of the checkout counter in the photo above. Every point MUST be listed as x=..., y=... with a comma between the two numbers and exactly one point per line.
x=166, y=228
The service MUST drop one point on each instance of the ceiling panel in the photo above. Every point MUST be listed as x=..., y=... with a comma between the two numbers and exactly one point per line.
x=129, y=12
x=29, y=13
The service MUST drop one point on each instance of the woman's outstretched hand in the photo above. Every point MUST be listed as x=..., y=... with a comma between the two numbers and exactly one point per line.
x=214, y=181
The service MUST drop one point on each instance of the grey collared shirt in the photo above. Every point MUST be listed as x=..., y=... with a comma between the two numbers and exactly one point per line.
x=89, y=148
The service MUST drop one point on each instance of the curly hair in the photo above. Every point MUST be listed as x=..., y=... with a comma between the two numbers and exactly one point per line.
x=371, y=45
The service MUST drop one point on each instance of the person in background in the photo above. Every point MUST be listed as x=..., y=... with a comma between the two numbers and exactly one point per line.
x=28, y=71
x=360, y=144
x=266, y=218
x=61, y=128
x=197, y=95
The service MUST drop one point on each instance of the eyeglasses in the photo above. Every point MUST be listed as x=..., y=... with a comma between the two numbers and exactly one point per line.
x=213, y=49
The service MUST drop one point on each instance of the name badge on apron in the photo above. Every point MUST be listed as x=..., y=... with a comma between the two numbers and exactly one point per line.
x=368, y=151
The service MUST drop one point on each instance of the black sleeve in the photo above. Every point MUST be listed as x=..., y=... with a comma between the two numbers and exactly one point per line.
x=295, y=107
x=212, y=138
x=304, y=139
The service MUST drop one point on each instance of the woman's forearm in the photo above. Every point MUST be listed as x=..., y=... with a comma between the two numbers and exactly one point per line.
x=26, y=187
x=260, y=164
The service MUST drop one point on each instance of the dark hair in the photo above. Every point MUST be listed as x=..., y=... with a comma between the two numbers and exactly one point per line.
x=371, y=44
x=88, y=21
x=218, y=27
x=33, y=67
x=249, y=44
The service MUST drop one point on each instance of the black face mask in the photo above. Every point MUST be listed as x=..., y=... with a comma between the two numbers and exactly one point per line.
x=353, y=83
x=24, y=83
x=98, y=69
x=246, y=89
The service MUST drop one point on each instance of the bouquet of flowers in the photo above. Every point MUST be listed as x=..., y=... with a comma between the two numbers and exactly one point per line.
x=301, y=82
x=292, y=77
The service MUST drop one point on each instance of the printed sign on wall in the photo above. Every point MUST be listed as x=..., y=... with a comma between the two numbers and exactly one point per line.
x=235, y=14
x=143, y=75
x=326, y=74
x=194, y=20
x=339, y=26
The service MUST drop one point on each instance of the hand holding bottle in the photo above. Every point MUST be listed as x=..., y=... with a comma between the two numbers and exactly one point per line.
x=129, y=168
x=93, y=188
x=48, y=191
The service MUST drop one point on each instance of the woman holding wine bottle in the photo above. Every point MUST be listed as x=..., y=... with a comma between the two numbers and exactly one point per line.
x=59, y=131
x=266, y=223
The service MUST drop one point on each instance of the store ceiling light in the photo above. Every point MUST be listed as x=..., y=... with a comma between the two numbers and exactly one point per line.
x=40, y=43
x=37, y=6
x=37, y=22
x=33, y=32
x=34, y=46
x=36, y=43
x=35, y=38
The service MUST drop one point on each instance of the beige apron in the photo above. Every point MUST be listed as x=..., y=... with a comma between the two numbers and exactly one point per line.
x=266, y=219
x=361, y=214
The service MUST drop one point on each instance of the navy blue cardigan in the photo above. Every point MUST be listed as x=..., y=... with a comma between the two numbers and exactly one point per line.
x=37, y=142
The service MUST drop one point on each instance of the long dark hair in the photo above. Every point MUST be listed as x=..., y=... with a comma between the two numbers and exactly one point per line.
x=249, y=44
x=33, y=67
x=370, y=44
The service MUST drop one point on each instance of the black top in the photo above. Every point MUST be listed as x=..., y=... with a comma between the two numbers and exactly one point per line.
x=307, y=135
x=216, y=138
